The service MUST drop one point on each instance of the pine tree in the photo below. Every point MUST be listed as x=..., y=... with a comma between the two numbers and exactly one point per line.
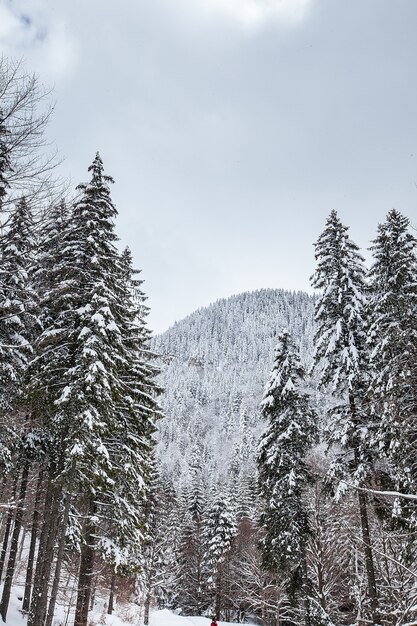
x=17, y=303
x=220, y=529
x=392, y=339
x=44, y=378
x=191, y=575
x=342, y=360
x=132, y=447
x=157, y=575
x=94, y=378
x=283, y=473
x=17, y=324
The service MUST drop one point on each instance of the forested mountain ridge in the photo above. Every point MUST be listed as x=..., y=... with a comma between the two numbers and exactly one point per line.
x=214, y=364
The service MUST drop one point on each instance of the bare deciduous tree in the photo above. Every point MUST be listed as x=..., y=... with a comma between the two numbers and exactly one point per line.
x=25, y=108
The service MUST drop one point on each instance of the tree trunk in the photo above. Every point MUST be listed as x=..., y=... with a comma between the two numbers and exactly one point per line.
x=5, y=598
x=147, y=609
x=58, y=565
x=227, y=590
x=218, y=591
x=45, y=558
x=111, y=596
x=86, y=571
x=32, y=547
x=369, y=562
x=10, y=515
x=92, y=594
x=363, y=511
x=306, y=590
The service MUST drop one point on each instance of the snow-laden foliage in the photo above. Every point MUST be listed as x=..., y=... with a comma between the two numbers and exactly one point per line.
x=341, y=356
x=214, y=365
x=340, y=277
x=340, y=343
x=392, y=340
x=283, y=473
x=17, y=303
x=92, y=381
x=17, y=323
x=220, y=529
x=219, y=532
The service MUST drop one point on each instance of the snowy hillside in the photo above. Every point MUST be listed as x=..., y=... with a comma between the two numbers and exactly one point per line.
x=215, y=363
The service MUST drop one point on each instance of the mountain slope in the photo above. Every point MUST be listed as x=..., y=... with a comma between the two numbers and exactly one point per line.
x=215, y=363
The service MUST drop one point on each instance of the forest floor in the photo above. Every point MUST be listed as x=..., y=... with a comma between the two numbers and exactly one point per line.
x=124, y=615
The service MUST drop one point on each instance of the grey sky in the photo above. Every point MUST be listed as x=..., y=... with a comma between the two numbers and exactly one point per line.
x=232, y=127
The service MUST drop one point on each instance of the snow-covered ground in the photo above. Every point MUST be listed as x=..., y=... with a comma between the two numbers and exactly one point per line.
x=124, y=616
x=166, y=618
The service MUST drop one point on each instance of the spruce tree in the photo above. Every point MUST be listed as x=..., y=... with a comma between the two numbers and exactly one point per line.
x=283, y=473
x=131, y=447
x=17, y=323
x=93, y=376
x=220, y=529
x=341, y=358
x=191, y=576
x=17, y=304
x=392, y=339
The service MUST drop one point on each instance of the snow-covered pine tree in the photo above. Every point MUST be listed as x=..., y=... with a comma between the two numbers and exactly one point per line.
x=283, y=473
x=219, y=532
x=392, y=339
x=156, y=579
x=95, y=386
x=75, y=377
x=191, y=579
x=131, y=447
x=17, y=303
x=340, y=356
x=114, y=413
x=17, y=321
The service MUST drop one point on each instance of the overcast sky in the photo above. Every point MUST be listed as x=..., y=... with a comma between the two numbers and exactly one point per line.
x=231, y=127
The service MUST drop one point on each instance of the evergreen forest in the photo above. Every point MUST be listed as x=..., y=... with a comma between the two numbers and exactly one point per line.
x=255, y=463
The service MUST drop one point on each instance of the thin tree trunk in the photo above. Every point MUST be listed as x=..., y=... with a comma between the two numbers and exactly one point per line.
x=10, y=515
x=306, y=590
x=92, y=594
x=86, y=571
x=32, y=547
x=278, y=611
x=45, y=558
x=58, y=565
x=363, y=512
x=218, y=591
x=111, y=595
x=21, y=545
x=147, y=609
x=227, y=591
x=369, y=562
x=11, y=563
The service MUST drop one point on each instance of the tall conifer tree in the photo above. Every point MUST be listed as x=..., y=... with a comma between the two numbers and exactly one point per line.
x=392, y=339
x=342, y=361
x=96, y=387
x=283, y=474
x=220, y=529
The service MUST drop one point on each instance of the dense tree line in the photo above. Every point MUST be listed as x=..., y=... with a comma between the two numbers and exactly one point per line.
x=327, y=536
x=78, y=406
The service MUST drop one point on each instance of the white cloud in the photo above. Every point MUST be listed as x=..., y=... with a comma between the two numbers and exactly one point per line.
x=255, y=12
x=11, y=28
x=27, y=29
